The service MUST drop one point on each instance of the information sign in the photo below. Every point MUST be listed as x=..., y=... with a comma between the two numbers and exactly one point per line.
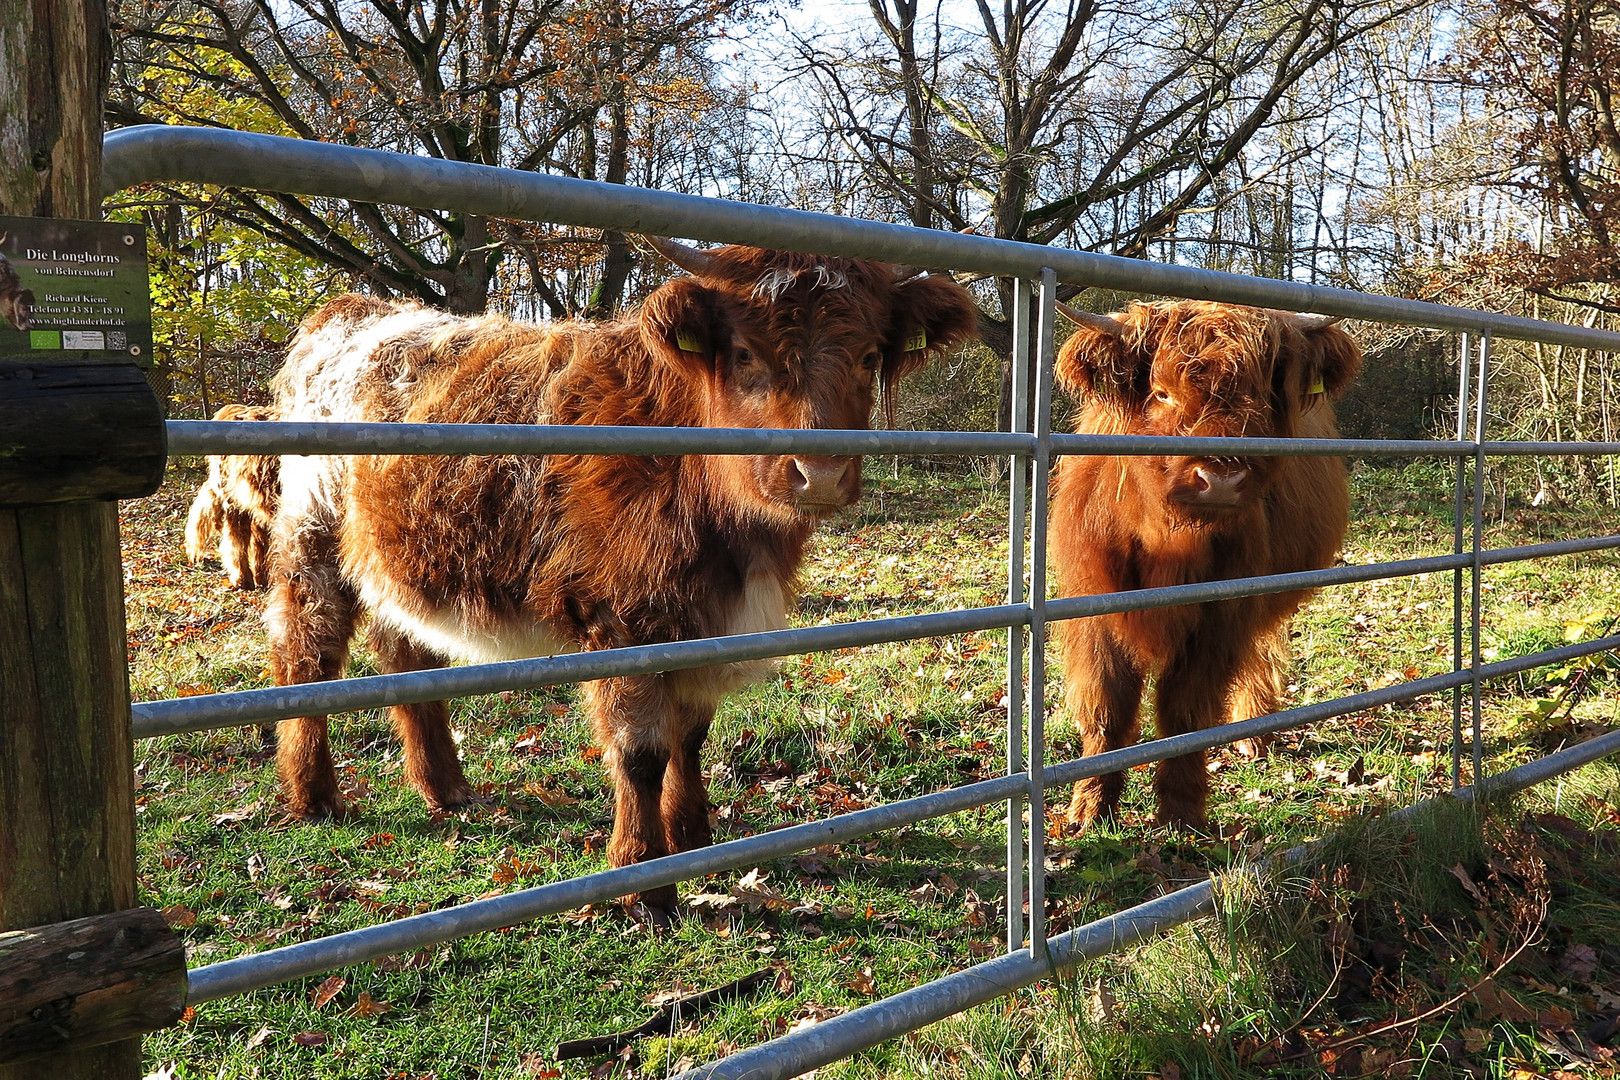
x=73, y=290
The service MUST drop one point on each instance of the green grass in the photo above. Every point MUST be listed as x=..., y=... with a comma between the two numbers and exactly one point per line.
x=859, y=727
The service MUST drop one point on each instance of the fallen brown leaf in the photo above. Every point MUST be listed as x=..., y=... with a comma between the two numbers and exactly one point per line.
x=330, y=988
x=366, y=1005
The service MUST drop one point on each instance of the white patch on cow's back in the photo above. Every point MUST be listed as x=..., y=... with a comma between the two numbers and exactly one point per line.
x=762, y=607
x=326, y=370
x=322, y=380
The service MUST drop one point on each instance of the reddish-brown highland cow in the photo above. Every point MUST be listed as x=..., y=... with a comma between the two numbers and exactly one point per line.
x=1118, y=523
x=235, y=507
x=500, y=557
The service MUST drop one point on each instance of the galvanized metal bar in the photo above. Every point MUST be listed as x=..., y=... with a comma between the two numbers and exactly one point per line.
x=1045, y=364
x=355, y=946
x=151, y=153
x=1075, y=607
x=209, y=711
x=1515, y=448
x=280, y=437
x=302, y=437
x=1478, y=568
x=199, y=713
x=307, y=437
x=1018, y=472
x=1457, y=575
x=1546, y=768
x=841, y=1036
x=1128, y=445
x=1159, y=749
x=869, y=1025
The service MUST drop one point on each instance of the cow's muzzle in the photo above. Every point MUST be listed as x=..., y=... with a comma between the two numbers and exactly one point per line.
x=820, y=485
x=1219, y=483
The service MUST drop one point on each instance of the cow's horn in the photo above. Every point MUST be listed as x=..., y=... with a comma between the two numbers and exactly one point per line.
x=1110, y=326
x=905, y=271
x=688, y=258
x=1311, y=323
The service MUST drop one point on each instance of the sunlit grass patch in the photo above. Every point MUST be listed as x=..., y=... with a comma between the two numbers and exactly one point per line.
x=831, y=733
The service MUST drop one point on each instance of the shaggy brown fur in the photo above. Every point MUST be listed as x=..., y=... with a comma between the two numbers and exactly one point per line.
x=494, y=557
x=1120, y=523
x=235, y=508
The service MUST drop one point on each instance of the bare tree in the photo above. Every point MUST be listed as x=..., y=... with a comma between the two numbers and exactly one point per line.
x=1550, y=70
x=1092, y=124
x=528, y=84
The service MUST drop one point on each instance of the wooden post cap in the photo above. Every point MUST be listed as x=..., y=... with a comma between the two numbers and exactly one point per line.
x=88, y=981
x=72, y=431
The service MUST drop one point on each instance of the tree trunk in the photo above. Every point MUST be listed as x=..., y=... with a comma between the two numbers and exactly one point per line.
x=67, y=814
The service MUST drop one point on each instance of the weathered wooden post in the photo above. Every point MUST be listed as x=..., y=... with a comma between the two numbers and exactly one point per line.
x=87, y=433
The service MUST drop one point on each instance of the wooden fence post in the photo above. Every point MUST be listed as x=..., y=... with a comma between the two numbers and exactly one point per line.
x=67, y=815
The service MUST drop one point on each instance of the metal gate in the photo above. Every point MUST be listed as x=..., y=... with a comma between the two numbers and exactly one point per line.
x=144, y=154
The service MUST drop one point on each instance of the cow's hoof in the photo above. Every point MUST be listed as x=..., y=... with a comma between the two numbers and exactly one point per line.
x=1252, y=749
x=658, y=919
x=452, y=797
x=332, y=808
x=1184, y=822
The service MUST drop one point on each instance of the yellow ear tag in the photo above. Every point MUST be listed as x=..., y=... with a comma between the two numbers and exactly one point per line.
x=1317, y=387
x=687, y=343
x=917, y=342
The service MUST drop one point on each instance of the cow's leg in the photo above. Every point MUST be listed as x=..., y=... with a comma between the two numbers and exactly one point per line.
x=1258, y=690
x=1103, y=688
x=236, y=548
x=633, y=718
x=259, y=552
x=309, y=621
x=432, y=765
x=203, y=522
x=1192, y=695
x=685, y=804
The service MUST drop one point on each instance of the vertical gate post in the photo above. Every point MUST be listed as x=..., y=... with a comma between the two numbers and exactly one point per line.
x=67, y=820
x=1456, y=549
x=1017, y=533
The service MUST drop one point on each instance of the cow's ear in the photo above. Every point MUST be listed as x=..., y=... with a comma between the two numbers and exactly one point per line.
x=932, y=315
x=1100, y=359
x=1337, y=360
x=680, y=322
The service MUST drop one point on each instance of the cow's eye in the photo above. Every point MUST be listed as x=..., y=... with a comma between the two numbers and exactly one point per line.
x=1162, y=398
x=743, y=358
x=871, y=360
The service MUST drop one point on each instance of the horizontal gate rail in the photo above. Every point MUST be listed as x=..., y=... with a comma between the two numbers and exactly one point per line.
x=150, y=153
x=859, y=1029
x=416, y=931
x=279, y=437
x=204, y=712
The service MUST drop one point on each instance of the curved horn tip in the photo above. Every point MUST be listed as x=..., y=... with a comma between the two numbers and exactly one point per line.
x=688, y=258
x=1104, y=323
x=1309, y=322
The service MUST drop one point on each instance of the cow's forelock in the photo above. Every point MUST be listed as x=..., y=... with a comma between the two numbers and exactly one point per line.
x=774, y=283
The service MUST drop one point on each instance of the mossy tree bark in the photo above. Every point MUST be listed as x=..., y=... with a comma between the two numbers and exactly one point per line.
x=67, y=832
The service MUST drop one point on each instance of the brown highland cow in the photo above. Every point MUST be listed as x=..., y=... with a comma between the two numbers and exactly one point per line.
x=1190, y=368
x=235, y=508
x=500, y=557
